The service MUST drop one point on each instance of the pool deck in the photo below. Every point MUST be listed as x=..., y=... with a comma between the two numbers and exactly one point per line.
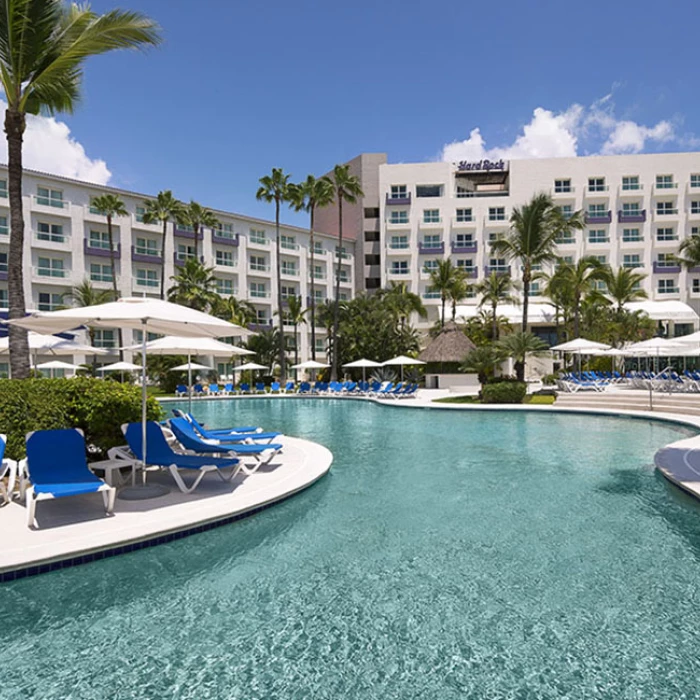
x=76, y=530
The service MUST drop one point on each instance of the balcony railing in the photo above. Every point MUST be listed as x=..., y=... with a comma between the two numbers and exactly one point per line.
x=146, y=282
x=434, y=248
x=568, y=240
x=290, y=271
x=257, y=267
x=471, y=273
x=260, y=327
x=218, y=237
x=146, y=255
x=466, y=194
x=100, y=251
x=598, y=218
x=632, y=218
x=668, y=290
x=666, y=212
x=180, y=260
x=464, y=247
x=53, y=272
x=498, y=269
x=597, y=189
x=183, y=233
x=226, y=262
x=666, y=267
x=631, y=189
x=44, y=237
x=397, y=222
x=259, y=293
x=401, y=271
x=562, y=190
x=398, y=200
x=666, y=186
x=431, y=295
x=50, y=202
x=399, y=246
x=458, y=221
x=289, y=245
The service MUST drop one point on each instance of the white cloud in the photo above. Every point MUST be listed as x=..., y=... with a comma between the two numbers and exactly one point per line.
x=557, y=135
x=49, y=147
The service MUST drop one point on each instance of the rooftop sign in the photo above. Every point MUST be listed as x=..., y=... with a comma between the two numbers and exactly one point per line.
x=484, y=165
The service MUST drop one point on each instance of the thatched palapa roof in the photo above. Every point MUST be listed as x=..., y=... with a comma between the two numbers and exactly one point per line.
x=451, y=345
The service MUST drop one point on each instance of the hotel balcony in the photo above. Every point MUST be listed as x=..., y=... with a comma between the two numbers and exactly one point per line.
x=499, y=270
x=399, y=249
x=497, y=191
x=694, y=213
x=431, y=295
x=47, y=205
x=430, y=224
x=260, y=327
x=665, y=188
x=398, y=272
x=431, y=248
x=630, y=191
x=638, y=218
x=398, y=224
x=569, y=240
x=664, y=268
x=463, y=223
x=100, y=252
x=498, y=223
x=289, y=271
x=219, y=239
x=563, y=192
x=182, y=233
x=598, y=218
x=180, y=261
x=664, y=214
x=52, y=275
x=470, y=273
x=145, y=255
x=464, y=247
x=398, y=200
x=597, y=191
x=51, y=241
x=3, y=271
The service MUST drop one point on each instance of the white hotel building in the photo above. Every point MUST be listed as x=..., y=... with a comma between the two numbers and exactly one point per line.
x=66, y=242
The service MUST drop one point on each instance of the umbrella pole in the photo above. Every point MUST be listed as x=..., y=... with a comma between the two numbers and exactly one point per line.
x=143, y=396
x=189, y=383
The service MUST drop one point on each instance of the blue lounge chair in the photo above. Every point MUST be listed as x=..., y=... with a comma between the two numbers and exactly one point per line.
x=188, y=438
x=218, y=432
x=8, y=469
x=289, y=387
x=252, y=434
x=57, y=468
x=214, y=389
x=386, y=389
x=160, y=454
x=260, y=387
x=198, y=390
x=244, y=388
x=304, y=388
x=180, y=390
x=228, y=388
x=275, y=387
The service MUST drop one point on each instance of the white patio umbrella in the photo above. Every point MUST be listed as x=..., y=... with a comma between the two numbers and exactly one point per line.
x=312, y=365
x=120, y=367
x=655, y=347
x=57, y=364
x=403, y=361
x=189, y=366
x=41, y=344
x=363, y=363
x=580, y=346
x=692, y=338
x=248, y=365
x=146, y=315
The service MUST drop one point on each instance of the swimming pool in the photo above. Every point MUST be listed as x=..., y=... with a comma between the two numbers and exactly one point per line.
x=447, y=555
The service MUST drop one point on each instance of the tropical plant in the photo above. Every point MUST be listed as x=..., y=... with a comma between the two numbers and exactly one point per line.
x=531, y=240
x=43, y=47
x=518, y=346
x=443, y=278
x=197, y=217
x=579, y=279
x=295, y=315
x=402, y=302
x=162, y=209
x=557, y=289
x=275, y=188
x=482, y=328
x=347, y=189
x=689, y=252
x=623, y=286
x=482, y=361
x=238, y=311
x=266, y=345
x=309, y=195
x=194, y=286
x=458, y=290
x=494, y=290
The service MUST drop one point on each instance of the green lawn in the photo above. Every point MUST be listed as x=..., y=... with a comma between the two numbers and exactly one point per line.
x=532, y=399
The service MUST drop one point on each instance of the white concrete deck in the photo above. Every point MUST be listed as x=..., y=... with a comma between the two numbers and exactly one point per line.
x=73, y=527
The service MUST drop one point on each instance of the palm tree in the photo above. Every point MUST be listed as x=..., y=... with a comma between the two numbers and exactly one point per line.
x=238, y=311
x=482, y=361
x=43, y=47
x=519, y=345
x=197, y=216
x=163, y=208
x=296, y=315
x=458, y=290
x=402, y=303
x=275, y=188
x=348, y=189
x=109, y=206
x=307, y=196
x=580, y=278
x=689, y=251
x=266, y=346
x=494, y=290
x=623, y=286
x=534, y=228
x=557, y=289
x=195, y=286
x=442, y=279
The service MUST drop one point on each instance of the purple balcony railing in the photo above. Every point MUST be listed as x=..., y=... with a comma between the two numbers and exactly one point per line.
x=498, y=270
x=694, y=270
x=259, y=327
x=398, y=200
x=179, y=262
x=632, y=218
x=470, y=274
x=598, y=218
x=100, y=252
x=224, y=240
x=141, y=257
x=3, y=275
x=431, y=248
x=181, y=233
x=663, y=268
x=464, y=247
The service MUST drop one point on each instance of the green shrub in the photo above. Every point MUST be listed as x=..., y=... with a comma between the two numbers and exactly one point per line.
x=504, y=392
x=97, y=407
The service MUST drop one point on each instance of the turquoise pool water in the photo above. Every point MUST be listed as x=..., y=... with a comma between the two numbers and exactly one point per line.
x=447, y=555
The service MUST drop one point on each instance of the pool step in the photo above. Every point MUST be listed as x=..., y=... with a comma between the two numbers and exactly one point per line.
x=688, y=404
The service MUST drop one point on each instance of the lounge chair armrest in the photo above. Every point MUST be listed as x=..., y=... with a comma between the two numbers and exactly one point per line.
x=121, y=452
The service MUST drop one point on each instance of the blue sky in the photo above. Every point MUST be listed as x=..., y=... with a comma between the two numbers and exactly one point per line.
x=240, y=87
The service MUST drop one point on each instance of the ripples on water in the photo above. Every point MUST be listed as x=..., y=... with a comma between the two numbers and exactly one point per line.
x=447, y=555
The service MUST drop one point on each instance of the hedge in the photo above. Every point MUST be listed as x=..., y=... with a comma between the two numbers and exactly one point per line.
x=504, y=392
x=96, y=406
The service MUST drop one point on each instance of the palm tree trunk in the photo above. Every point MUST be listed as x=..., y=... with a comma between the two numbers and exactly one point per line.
x=577, y=315
x=336, y=310
x=313, y=287
x=494, y=322
x=114, y=281
x=526, y=294
x=280, y=311
x=19, y=346
x=296, y=348
x=162, y=259
x=442, y=317
x=196, y=242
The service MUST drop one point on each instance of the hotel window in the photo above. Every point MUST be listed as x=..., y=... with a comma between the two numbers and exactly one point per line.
x=665, y=182
x=495, y=236
x=464, y=215
x=398, y=217
x=50, y=232
x=597, y=211
x=562, y=186
x=187, y=228
x=289, y=267
x=370, y=237
x=320, y=272
x=535, y=290
x=566, y=210
x=342, y=252
x=343, y=275
x=261, y=317
x=225, y=258
x=258, y=290
x=371, y=212
x=665, y=208
x=431, y=216
x=431, y=293
x=50, y=267
x=225, y=287
x=695, y=231
x=631, y=235
x=146, y=246
x=140, y=213
x=597, y=184
x=597, y=235
x=343, y=296
x=49, y=301
x=666, y=260
x=319, y=296
x=667, y=287
x=3, y=189
x=399, y=267
x=100, y=273
x=695, y=180
x=99, y=239
x=498, y=265
x=3, y=262
x=463, y=240
x=288, y=242
x=286, y=292
x=320, y=344
x=667, y=233
x=184, y=251
x=696, y=286
x=225, y=231
x=147, y=278
x=399, y=242
x=497, y=213
x=104, y=338
x=631, y=182
x=432, y=241
x=257, y=235
x=428, y=190
x=4, y=230
x=4, y=298
x=259, y=263
x=565, y=238
x=49, y=198
x=465, y=264
x=398, y=192
x=319, y=249
x=429, y=266
x=630, y=209
x=695, y=207
x=602, y=259
x=631, y=261
x=600, y=286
